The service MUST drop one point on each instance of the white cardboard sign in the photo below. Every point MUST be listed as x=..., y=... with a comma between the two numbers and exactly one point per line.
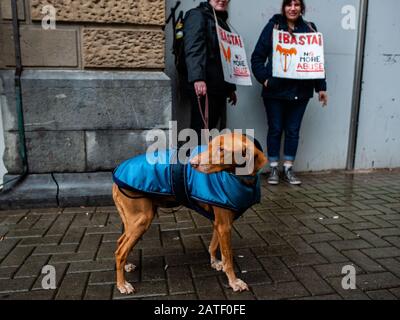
x=298, y=55
x=233, y=57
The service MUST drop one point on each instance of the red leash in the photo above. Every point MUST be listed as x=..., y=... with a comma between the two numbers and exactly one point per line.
x=204, y=116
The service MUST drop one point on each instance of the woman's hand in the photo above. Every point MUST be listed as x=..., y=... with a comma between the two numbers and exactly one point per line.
x=266, y=83
x=200, y=87
x=323, y=98
x=232, y=99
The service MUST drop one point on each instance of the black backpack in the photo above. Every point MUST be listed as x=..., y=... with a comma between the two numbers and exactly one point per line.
x=178, y=41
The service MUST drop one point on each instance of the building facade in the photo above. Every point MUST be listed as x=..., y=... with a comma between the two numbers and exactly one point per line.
x=94, y=86
x=92, y=83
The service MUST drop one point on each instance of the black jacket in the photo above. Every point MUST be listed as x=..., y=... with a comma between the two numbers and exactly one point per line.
x=280, y=88
x=201, y=49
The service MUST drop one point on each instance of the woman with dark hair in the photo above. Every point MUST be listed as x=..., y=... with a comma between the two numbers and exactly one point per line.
x=285, y=100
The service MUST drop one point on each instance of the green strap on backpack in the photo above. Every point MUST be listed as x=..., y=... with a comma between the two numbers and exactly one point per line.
x=178, y=45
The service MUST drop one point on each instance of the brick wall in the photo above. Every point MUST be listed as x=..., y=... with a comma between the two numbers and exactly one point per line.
x=91, y=89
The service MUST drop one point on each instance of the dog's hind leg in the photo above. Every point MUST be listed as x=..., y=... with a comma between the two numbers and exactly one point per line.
x=223, y=224
x=129, y=267
x=115, y=194
x=137, y=216
x=212, y=249
x=137, y=227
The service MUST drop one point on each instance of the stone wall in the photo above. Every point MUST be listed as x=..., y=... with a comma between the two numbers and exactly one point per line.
x=88, y=34
x=92, y=88
x=143, y=12
x=123, y=48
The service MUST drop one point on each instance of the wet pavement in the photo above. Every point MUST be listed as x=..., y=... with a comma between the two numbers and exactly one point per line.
x=293, y=245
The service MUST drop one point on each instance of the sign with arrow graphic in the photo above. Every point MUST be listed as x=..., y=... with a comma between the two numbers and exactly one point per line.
x=298, y=55
x=233, y=57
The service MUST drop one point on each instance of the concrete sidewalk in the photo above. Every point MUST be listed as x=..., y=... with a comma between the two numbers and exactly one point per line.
x=291, y=246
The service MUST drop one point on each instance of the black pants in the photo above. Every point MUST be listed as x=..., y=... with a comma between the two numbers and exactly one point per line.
x=217, y=112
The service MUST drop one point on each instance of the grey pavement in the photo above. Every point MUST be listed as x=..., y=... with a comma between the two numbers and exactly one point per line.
x=293, y=245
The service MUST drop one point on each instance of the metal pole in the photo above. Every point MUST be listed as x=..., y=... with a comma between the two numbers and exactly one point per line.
x=357, y=87
x=18, y=100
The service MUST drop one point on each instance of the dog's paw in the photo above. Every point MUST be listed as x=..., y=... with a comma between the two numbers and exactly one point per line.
x=239, y=285
x=129, y=267
x=126, y=288
x=217, y=265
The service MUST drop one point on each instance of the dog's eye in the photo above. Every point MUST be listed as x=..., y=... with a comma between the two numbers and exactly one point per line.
x=221, y=148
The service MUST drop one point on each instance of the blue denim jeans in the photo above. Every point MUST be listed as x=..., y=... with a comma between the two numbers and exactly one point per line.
x=284, y=116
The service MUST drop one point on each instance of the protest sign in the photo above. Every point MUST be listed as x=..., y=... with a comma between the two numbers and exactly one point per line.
x=233, y=57
x=298, y=55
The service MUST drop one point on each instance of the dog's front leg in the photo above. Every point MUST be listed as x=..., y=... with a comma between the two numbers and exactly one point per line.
x=212, y=249
x=223, y=225
x=137, y=215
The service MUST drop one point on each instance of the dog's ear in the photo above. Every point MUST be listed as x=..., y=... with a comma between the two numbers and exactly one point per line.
x=260, y=160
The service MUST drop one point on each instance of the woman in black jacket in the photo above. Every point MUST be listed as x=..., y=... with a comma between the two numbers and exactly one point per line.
x=204, y=66
x=285, y=99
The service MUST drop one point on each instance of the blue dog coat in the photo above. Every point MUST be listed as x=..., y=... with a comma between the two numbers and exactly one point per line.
x=161, y=176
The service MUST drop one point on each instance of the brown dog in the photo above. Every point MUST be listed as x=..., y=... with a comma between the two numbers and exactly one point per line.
x=137, y=209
